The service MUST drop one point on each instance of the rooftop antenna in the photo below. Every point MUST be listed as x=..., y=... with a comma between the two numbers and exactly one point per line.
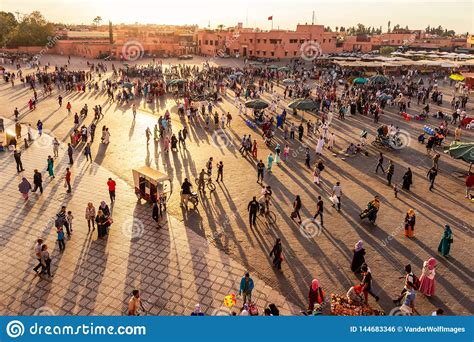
x=312, y=22
x=209, y=24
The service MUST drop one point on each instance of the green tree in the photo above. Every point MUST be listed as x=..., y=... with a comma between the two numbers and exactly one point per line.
x=8, y=23
x=97, y=20
x=33, y=30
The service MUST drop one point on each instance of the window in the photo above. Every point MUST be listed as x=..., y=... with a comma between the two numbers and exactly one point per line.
x=251, y=40
x=211, y=42
x=199, y=41
x=206, y=42
x=301, y=41
x=272, y=53
x=264, y=41
x=275, y=41
x=258, y=41
x=329, y=40
x=258, y=52
x=250, y=52
x=324, y=40
x=264, y=53
x=293, y=41
x=294, y=53
x=286, y=53
x=216, y=42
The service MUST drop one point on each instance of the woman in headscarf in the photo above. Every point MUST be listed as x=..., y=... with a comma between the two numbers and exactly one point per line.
x=446, y=241
x=270, y=162
x=407, y=180
x=316, y=294
x=101, y=221
x=277, y=154
x=24, y=188
x=410, y=220
x=50, y=166
x=105, y=209
x=355, y=295
x=277, y=253
x=427, y=282
x=358, y=259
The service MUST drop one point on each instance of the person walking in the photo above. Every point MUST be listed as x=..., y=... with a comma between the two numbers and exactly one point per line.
x=444, y=246
x=102, y=223
x=111, y=186
x=315, y=296
x=24, y=187
x=50, y=167
x=277, y=253
x=427, y=281
x=319, y=211
x=410, y=220
x=270, y=162
x=260, y=171
x=252, y=208
x=69, y=153
x=432, y=173
x=45, y=261
x=156, y=212
x=246, y=288
x=87, y=152
x=366, y=283
x=90, y=216
x=409, y=278
x=55, y=147
x=358, y=258
x=390, y=172
x=67, y=180
x=408, y=306
x=19, y=164
x=37, y=252
x=37, y=181
x=61, y=243
x=220, y=171
x=380, y=164
x=296, y=209
x=407, y=180
x=337, y=193
x=469, y=184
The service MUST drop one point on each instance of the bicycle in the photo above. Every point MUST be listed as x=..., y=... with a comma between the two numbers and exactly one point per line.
x=269, y=215
x=208, y=182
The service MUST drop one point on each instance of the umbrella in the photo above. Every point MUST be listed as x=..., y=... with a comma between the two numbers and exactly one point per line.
x=463, y=151
x=359, y=80
x=255, y=63
x=457, y=77
x=284, y=69
x=379, y=79
x=420, y=81
x=384, y=97
x=288, y=81
x=232, y=77
x=273, y=66
x=256, y=104
x=303, y=104
x=238, y=73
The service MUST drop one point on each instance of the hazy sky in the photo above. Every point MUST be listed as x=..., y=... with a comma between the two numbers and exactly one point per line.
x=453, y=14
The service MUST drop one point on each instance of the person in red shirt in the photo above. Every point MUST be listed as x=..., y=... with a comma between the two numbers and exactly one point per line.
x=111, y=184
x=469, y=184
x=68, y=180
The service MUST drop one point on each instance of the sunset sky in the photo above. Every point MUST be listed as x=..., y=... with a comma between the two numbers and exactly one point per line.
x=453, y=14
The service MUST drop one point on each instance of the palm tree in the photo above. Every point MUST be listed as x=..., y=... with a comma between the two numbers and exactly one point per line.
x=220, y=27
x=97, y=20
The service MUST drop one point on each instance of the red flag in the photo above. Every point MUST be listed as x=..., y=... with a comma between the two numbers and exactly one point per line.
x=270, y=17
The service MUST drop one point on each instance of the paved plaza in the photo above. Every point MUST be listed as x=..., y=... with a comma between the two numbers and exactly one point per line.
x=200, y=255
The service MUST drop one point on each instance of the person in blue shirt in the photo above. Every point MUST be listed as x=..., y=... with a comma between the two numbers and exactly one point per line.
x=246, y=287
x=61, y=243
x=408, y=306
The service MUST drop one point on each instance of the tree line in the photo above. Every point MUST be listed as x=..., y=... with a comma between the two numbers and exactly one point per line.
x=29, y=30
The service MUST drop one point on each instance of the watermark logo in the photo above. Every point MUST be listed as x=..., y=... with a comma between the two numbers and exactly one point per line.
x=400, y=140
x=44, y=311
x=310, y=50
x=221, y=139
x=396, y=312
x=15, y=329
x=45, y=140
x=132, y=50
x=133, y=228
x=222, y=311
x=310, y=228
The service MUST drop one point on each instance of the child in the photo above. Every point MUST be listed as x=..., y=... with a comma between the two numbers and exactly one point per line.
x=69, y=219
x=395, y=191
x=61, y=243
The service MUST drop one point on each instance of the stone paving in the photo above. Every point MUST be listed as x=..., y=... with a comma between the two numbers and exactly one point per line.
x=172, y=266
x=222, y=218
